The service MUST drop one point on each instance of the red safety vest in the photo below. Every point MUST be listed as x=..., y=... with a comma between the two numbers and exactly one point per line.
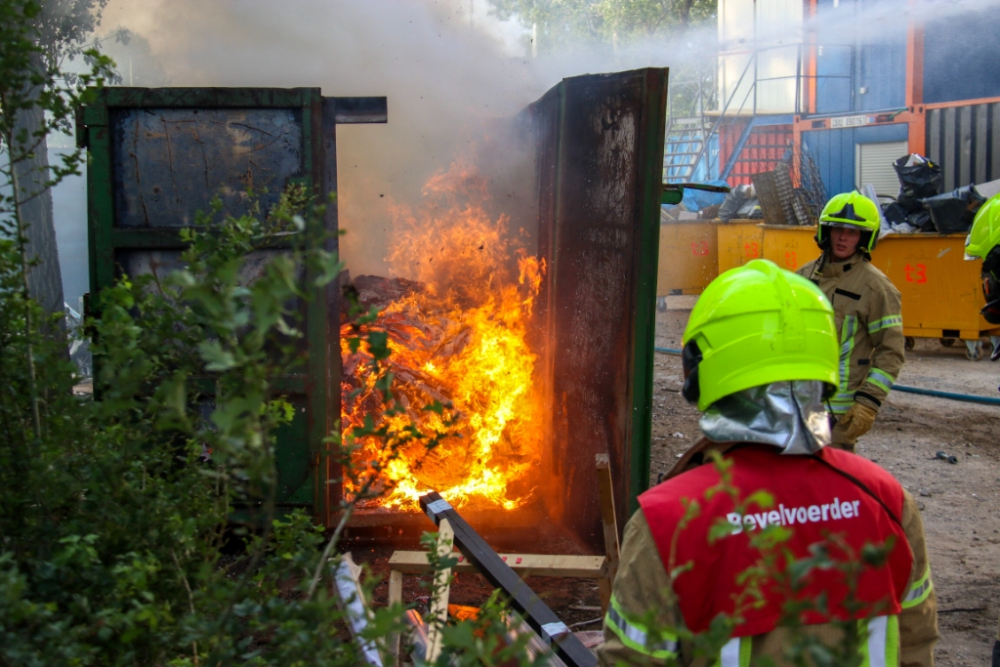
x=816, y=498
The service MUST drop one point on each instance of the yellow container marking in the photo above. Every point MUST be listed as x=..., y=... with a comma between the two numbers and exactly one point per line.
x=790, y=247
x=739, y=242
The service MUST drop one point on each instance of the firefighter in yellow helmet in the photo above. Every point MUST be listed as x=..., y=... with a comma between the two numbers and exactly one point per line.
x=760, y=356
x=984, y=243
x=868, y=312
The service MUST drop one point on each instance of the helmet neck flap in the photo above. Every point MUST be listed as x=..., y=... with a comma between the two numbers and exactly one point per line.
x=788, y=415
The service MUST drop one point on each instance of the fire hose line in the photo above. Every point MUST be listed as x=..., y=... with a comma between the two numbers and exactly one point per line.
x=969, y=398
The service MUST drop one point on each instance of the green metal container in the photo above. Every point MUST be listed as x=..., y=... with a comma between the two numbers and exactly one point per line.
x=159, y=155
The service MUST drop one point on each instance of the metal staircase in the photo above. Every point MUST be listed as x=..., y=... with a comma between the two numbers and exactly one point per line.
x=685, y=143
x=691, y=146
x=688, y=128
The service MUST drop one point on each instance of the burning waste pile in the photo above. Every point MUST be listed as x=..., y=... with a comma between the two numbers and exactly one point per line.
x=455, y=313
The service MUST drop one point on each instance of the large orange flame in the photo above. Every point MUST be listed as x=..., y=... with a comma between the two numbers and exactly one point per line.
x=458, y=336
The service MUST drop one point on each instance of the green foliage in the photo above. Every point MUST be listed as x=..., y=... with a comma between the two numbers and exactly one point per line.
x=117, y=540
x=36, y=37
x=559, y=22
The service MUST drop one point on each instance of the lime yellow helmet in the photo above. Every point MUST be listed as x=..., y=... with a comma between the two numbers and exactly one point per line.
x=755, y=325
x=850, y=209
x=983, y=243
x=985, y=233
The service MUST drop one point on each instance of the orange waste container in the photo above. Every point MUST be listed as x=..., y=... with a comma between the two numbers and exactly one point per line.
x=789, y=246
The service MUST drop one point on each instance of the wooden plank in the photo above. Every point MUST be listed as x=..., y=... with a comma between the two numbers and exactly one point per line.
x=442, y=585
x=604, y=591
x=526, y=565
x=605, y=490
x=395, y=587
x=395, y=597
x=522, y=599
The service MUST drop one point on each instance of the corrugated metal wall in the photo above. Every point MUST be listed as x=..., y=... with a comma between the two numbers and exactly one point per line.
x=966, y=142
x=833, y=151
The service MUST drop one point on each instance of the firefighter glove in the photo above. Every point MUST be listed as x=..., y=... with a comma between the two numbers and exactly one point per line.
x=858, y=420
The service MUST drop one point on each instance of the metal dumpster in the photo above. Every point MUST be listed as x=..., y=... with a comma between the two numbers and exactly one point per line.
x=739, y=242
x=789, y=246
x=689, y=257
x=159, y=155
x=941, y=292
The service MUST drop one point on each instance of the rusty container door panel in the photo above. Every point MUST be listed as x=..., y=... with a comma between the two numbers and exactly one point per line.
x=170, y=163
x=600, y=156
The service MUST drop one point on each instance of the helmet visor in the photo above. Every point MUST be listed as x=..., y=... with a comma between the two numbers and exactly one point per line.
x=843, y=224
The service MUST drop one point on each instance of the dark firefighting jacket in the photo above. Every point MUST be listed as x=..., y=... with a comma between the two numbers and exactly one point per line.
x=868, y=312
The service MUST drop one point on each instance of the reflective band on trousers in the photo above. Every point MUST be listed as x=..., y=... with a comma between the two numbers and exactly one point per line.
x=882, y=647
x=919, y=591
x=736, y=652
x=636, y=636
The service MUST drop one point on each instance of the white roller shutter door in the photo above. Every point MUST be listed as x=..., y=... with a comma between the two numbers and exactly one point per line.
x=873, y=164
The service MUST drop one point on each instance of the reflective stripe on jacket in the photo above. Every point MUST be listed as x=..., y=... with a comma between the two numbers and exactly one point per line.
x=644, y=601
x=868, y=311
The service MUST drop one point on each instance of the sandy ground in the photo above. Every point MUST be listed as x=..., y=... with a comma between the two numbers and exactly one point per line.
x=959, y=502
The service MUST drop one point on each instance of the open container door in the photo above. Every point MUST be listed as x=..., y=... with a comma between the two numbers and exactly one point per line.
x=157, y=156
x=600, y=160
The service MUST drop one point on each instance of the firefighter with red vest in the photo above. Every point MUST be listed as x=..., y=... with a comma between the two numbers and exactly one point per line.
x=760, y=357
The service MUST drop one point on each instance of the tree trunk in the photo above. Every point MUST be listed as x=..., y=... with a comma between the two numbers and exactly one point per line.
x=32, y=170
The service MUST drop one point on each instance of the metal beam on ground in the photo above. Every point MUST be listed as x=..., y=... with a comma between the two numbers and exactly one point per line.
x=539, y=617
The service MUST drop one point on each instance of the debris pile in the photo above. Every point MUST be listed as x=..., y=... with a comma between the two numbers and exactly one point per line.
x=922, y=207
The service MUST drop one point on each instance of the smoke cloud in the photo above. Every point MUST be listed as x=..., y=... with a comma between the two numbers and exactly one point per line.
x=448, y=68
x=448, y=73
